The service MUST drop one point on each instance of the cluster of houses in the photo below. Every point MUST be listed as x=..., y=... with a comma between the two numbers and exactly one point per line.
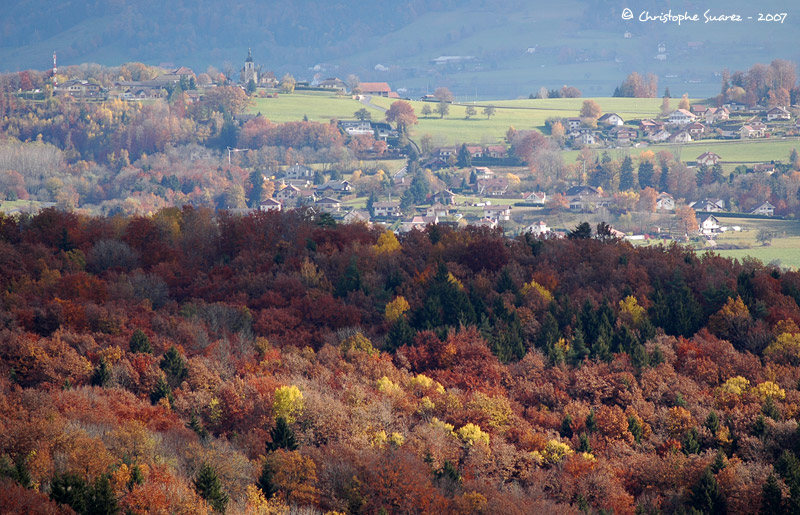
x=296, y=189
x=680, y=126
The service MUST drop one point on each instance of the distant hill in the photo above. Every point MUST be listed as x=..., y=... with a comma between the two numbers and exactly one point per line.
x=506, y=49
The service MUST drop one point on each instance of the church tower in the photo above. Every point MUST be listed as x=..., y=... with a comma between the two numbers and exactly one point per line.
x=249, y=71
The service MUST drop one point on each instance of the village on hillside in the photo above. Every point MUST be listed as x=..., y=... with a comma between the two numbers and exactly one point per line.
x=491, y=184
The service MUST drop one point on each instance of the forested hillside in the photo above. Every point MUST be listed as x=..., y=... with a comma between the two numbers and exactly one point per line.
x=191, y=361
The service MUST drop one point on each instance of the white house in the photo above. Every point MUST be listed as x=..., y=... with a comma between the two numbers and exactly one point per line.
x=388, y=209
x=709, y=205
x=778, y=113
x=661, y=135
x=665, y=202
x=681, y=117
x=538, y=228
x=270, y=205
x=298, y=171
x=612, y=119
x=499, y=213
x=356, y=216
x=764, y=209
x=328, y=205
x=287, y=193
x=437, y=209
x=750, y=132
x=417, y=222
x=681, y=137
x=537, y=198
x=708, y=224
x=708, y=159
x=483, y=172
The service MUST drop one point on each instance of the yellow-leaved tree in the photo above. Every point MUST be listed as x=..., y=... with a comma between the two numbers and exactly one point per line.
x=287, y=403
x=387, y=243
x=395, y=309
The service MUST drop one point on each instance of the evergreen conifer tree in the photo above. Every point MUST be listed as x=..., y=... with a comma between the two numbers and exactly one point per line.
x=626, y=174
x=140, y=343
x=266, y=481
x=591, y=422
x=174, y=366
x=706, y=496
x=101, y=500
x=282, y=437
x=771, y=496
x=162, y=390
x=583, y=443
x=646, y=172
x=137, y=478
x=209, y=487
x=70, y=489
x=399, y=334
x=102, y=374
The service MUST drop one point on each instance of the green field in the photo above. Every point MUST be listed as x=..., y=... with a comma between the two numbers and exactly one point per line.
x=733, y=152
x=317, y=106
x=785, y=246
x=520, y=114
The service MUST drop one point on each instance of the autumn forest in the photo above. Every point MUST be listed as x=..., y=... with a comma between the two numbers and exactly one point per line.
x=194, y=361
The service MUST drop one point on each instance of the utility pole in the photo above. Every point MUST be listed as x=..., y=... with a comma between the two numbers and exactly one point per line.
x=231, y=149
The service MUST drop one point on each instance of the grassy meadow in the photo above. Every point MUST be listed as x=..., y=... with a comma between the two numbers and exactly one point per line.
x=784, y=247
x=317, y=106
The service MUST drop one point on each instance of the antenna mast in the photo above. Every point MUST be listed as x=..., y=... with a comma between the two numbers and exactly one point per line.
x=55, y=72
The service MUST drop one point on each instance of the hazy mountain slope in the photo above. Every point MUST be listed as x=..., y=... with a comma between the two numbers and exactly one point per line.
x=577, y=42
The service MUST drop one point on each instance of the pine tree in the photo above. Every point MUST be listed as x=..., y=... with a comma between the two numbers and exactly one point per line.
x=635, y=428
x=174, y=366
x=712, y=422
x=663, y=180
x=282, y=437
x=137, y=478
x=583, y=443
x=626, y=174
x=162, y=390
x=578, y=350
x=691, y=443
x=399, y=334
x=197, y=426
x=140, y=343
x=209, y=487
x=601, y=350
x=350, y=280
x=718, y=463
x=101, y=500
x=70, y=489
x=566, y=427
x=706, y=496
x=646, y=173
x=464, y=157
x=771, y=496
x=639, y=357
x=102, y=374
x=548, y=332
x=582, y=231
x=256, y=188
x=266, y=480
x=591, y=422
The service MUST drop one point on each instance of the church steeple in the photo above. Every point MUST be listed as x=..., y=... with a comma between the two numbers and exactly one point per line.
x=249, y=71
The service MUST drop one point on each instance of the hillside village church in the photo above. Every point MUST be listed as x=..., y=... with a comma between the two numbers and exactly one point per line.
x=249, y=72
